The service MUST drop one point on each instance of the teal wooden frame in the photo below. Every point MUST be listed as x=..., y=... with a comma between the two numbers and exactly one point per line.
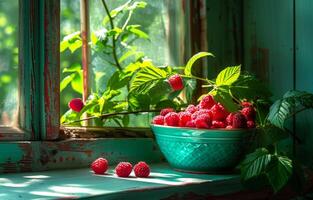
x=39, y=69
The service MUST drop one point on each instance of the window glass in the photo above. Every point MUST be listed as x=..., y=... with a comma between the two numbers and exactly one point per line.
x=8, y=62
x=160, y=27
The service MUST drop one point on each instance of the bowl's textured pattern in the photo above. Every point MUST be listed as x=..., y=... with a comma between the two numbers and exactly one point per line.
x=200, y=153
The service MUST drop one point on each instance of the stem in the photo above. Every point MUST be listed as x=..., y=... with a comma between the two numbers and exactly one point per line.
x=127, y=20
x=111, y=114
x=113, y=37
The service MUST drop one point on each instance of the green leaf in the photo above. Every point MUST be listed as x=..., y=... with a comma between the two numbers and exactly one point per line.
x=279, y=172
x=249, y=87
x=269, y=135
x=293, y=102
x=222, y=95
x=139, y=101
x=146, y=78
x=134, y=29
x=75, y=45
x=74, y=68
x=115, y=12
x=119, y=80
x=69, y=116
x=63, y=46
x=66, y=81
x=255, y=164
x=77, y=82
x=71, y=41
x=193, y=59
x=228, y=76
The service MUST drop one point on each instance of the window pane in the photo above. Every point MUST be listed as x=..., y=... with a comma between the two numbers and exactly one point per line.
x=156, y=34
x=8, y=62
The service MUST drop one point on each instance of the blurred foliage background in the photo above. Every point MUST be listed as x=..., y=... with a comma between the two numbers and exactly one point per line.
x=8, y=61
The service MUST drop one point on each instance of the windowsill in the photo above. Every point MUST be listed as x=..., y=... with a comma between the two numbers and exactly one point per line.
x=81, y=183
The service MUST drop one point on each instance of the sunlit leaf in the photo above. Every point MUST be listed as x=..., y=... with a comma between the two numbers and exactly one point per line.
x=66, y=81
x=77, y=82
x=147, y=78
x=193, y=59
x=228, y=76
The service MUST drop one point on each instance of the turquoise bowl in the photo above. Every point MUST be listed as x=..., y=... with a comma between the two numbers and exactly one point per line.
x=202, y=150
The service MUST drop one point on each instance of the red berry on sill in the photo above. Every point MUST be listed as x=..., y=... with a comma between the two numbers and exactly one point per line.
x=159, y=119
x=76, y=104
x=191, y=109
x=219, y=113
x=250, y=124
x=141, y=169
x=184, y=117
x=239, y=121
x=99, y=166
x=166, y=110
x=171, y=119
x=249, y=113
x=123, y=169
x=203, y=121
x=176, y=82
x=218, y=124
x=207, y=102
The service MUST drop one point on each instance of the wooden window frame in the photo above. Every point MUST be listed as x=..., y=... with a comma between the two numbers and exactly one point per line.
x=39, y=63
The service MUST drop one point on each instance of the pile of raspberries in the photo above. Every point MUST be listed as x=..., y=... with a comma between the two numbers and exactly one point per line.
x=208, y=114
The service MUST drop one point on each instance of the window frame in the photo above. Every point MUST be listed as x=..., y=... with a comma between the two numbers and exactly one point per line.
x=39, y=74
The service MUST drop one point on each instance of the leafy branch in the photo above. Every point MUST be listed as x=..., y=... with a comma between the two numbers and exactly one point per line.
x=113, y=36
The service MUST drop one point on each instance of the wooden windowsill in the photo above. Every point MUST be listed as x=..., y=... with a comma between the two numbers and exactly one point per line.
x=82, y=183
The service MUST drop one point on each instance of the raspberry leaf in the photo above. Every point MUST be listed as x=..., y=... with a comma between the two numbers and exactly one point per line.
x=255, y=164
x=228, y=76
x=193, y=59
x=279, y=172
x=147, y=78
x=292, y=103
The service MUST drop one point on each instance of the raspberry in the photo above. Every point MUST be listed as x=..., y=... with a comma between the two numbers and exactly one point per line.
x=219, y=113
x=246, y=104
x=76, y=104
x=171, y=119
x=159, y=119
x=190, y=124
x=218, y=124
x=99, y=166
x=229, y=119
x=203, y=121
x=229, y=127
x=250, y=124
x=200, y=112
x=239, y=121
x=176, y=82
x=123, y=169
x=166, y=110
x=141, y=169
x=249, y=113
x=207, y=102
x=191, y=109
x=184, y=117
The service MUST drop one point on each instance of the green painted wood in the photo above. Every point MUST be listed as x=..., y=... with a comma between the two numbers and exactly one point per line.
x=28, y=69
x=268, y=42
x=304, y=75
x=224, y=27
x=49, y=69
x=39, y=68
x=82, y=183
x=68, y=154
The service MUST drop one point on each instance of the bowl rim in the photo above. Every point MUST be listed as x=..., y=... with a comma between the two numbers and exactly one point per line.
x=203, y=129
